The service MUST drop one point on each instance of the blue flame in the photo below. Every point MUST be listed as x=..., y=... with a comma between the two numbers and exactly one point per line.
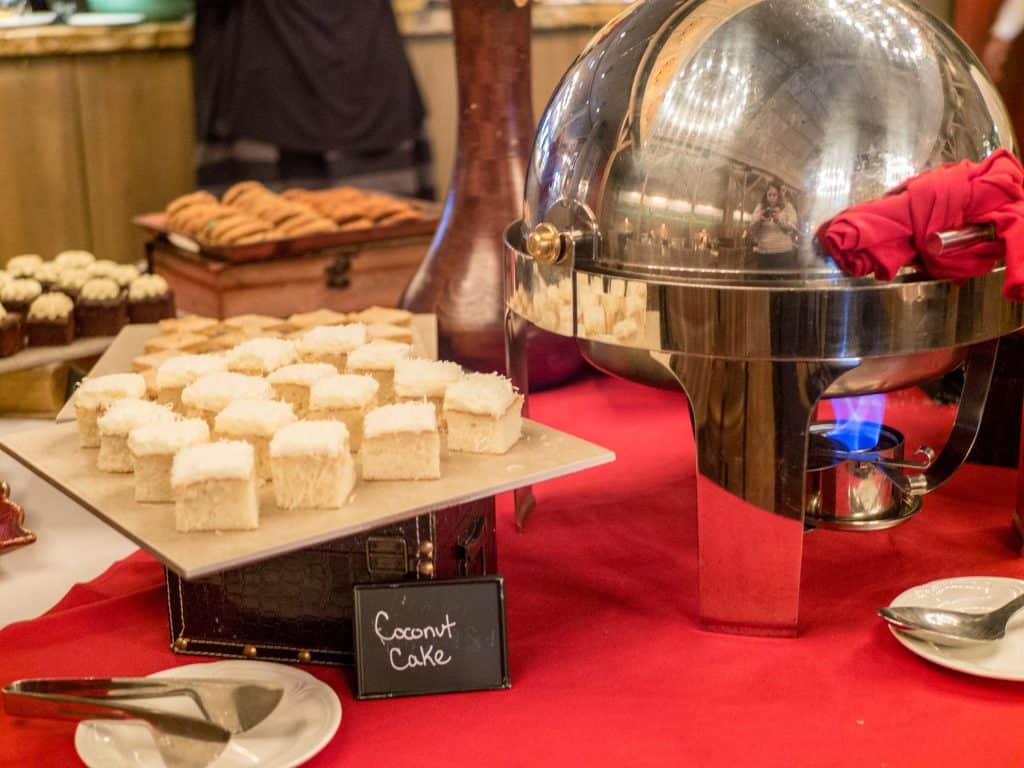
x=858, y=421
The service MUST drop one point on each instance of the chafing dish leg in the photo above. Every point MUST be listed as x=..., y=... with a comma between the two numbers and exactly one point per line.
x=516, y=363
x=751, y=423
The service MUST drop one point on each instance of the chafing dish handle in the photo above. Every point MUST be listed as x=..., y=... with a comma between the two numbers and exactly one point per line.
x=981, y=360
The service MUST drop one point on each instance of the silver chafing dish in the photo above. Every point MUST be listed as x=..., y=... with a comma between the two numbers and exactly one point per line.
x=651, y=233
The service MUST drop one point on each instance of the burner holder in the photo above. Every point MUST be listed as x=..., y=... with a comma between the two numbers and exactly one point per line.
x=860, y=489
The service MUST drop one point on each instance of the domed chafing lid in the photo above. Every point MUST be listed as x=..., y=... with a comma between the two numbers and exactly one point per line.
x=709, y=140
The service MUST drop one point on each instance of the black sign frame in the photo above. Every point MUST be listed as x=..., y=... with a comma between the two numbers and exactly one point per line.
x=363, y=631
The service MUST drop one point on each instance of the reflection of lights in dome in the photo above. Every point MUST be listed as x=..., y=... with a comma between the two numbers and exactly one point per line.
x=881, y=23
x=898, y=169
x=713, y=93
x=832, y=184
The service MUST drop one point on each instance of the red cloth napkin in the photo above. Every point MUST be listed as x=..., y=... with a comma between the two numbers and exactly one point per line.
x=883, y=235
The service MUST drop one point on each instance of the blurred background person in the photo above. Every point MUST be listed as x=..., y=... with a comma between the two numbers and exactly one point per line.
x=1009, y=24
x=774, y=229
x=308, y=93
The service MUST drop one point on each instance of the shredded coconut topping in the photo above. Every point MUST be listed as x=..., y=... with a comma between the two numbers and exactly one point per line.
x=425, y=378
x=182, y=370
x=347, y=390
x=263, y=355
x=224, y=460
x=214, y=391
x=253, y=417
x=332, y=339
x=161, y=438
x=377, y=355
x=124, y=415
x=402, y=417
x=487, y=394
x=102, y=390
x=311, y=438
x=305, y=374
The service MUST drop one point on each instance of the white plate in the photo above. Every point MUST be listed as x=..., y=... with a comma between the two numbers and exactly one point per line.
x=1003, y=659
x=27, y=20
x=105, y=19
x=303, y=722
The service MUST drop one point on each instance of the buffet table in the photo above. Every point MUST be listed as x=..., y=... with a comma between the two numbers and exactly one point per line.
x=608, y=664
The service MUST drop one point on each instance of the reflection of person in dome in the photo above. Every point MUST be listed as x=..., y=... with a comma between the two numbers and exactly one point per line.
x=774, y=229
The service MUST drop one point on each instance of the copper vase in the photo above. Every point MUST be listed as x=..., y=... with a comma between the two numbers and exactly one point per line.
x=460, y=279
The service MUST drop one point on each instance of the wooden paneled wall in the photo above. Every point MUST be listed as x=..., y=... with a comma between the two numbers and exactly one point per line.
x=88, y=141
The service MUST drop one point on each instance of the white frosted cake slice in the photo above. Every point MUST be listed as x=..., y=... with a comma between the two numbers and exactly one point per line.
x=114, y=425
x=482, y=413
x=425, y=380
x=256, y=422
x=258, y=357
x=378, y=359
x=214, y=487
x=401, y=442
x=292, y=383
x=95, y=394
x=210, y=394
x=331, y=344
x=176, y=373
x=346, y=398
x=312, y=465
x=153, y=447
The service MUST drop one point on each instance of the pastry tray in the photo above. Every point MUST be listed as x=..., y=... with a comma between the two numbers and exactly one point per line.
x=34, y=357
x=156, y=224
x=52, y=452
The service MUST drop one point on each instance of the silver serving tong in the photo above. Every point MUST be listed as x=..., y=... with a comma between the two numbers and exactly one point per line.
x=228, y=706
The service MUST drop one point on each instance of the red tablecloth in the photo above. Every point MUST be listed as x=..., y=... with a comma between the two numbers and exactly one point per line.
x=608, y=664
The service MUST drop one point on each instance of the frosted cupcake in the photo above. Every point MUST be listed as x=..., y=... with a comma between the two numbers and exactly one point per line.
x=101, y=309
x=18, y=294
x=149, y=299
x=50, y=321
x=24, y=265
x=74, y=259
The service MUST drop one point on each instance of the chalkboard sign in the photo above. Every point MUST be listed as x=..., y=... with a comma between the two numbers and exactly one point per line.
x=430, y=637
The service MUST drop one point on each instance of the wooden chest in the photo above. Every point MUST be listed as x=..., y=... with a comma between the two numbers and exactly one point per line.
x=344, y=278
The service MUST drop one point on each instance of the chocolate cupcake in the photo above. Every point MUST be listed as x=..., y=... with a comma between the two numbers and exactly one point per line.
x=74, y=259
x=19, y=294
x=70, y=281
x=51, y=321
x=24, y=264
x=101, y=308
x=150, y=299
x=102, y=268
x=125, y=275
x=48, y=275
x=12, y=333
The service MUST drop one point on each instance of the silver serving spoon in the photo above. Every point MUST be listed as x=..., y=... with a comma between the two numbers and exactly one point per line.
x=952, y=628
